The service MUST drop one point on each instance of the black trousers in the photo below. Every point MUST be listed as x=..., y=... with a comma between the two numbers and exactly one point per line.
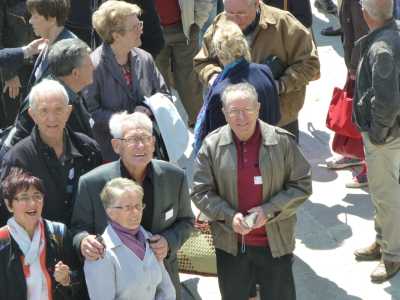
x=237, y=274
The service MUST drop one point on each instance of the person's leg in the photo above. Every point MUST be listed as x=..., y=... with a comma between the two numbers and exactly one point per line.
x=274, y=275
x=383, y=175
x=234, y=275
x=186, y=81
x=163, y=60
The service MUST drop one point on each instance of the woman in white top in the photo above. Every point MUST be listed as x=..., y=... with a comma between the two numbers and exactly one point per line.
x=129, y=269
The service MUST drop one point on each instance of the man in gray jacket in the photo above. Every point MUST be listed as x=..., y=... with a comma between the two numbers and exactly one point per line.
x=168, y=214
x=249, y=179
x=376, y=109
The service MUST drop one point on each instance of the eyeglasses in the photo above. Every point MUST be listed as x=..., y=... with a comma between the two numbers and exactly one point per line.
x=45, y=112
x=135, y=140
x=25, y=199
x=236, y=16
x=136, y=27
x=128, y=208
x=246, y=111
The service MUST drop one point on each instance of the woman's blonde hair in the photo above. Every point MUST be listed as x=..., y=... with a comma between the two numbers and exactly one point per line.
x=229, y=43
x=116, y=187
x=111, y=17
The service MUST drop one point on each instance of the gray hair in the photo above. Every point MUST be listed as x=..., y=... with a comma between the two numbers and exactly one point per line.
x=239, y=90
x=45, y=87
x=380, y=10
x=229, y=43
x=119, y=121
x=66, y=55
x=116, y=187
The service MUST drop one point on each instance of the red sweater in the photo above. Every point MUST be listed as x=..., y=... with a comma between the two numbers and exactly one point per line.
x=249, y=183
x=168, y=11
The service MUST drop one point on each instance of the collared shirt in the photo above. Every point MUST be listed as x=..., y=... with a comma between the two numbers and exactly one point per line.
x=148, y=197
x=249, y=182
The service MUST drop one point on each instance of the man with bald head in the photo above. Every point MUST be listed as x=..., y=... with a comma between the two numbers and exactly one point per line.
x=376, y=111
x=52, y=152
x=270, y=32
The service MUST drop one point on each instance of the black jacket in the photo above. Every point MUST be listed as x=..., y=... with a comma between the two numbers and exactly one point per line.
x=36, y=157
x=11, y=58
x=15, y=30
x=376, y=104
x=58, y=247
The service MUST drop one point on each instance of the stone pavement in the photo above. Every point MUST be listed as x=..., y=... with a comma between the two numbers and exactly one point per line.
x=335, y=220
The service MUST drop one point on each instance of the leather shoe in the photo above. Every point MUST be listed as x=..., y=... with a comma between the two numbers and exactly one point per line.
x=330, y=31
x=385, y=270
x=372, y=252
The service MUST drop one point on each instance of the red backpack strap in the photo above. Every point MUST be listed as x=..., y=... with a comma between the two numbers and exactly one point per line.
x=4, y=233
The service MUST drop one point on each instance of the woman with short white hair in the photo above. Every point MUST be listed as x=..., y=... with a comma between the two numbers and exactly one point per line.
x=129, y=269
x=123, y=73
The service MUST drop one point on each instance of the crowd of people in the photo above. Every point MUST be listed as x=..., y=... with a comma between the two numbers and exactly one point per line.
x=90, y=205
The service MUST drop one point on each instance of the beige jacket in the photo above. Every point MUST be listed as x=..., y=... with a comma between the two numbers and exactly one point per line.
x=280, y=34
x=286, y=177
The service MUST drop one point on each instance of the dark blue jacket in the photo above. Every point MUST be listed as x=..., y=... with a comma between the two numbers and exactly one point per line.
x=260, y=77
x=301, y=9
x=11, y=58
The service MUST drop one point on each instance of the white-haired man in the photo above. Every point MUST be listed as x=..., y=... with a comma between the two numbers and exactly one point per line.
x=168, y=213
x=377, y=113
x=270, y=32
x=52, y=152
x=249, y=179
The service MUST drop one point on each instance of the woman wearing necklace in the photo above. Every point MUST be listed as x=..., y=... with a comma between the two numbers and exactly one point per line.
x=124, y=74
x=36, y=255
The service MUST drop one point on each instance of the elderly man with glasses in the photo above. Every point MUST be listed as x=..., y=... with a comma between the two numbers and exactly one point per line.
x=52, y=152
x=249, y=179
x=270, y=33
x=168, y=215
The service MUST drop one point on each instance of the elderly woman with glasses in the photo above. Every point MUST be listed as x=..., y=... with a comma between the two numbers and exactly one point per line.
x=36, y=255
x=128, y=269
x=124, y=74
x=232, y=50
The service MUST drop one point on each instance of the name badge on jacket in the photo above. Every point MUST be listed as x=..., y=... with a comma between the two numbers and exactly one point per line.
x=257, y=180
x=169, y=214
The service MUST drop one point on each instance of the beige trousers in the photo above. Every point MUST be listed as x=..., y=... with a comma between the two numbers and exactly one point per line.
x=383, y=163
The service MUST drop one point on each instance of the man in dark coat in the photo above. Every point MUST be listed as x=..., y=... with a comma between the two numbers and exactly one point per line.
x=53, y=153
x=168, y=214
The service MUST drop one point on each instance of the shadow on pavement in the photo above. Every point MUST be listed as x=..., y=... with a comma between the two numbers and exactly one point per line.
x=323, y=227
x=316, y=148
x=393, y=289
x=361, y=206
x=319, y=226
x=321, y=289
x=334, y=41
x=190, y=289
